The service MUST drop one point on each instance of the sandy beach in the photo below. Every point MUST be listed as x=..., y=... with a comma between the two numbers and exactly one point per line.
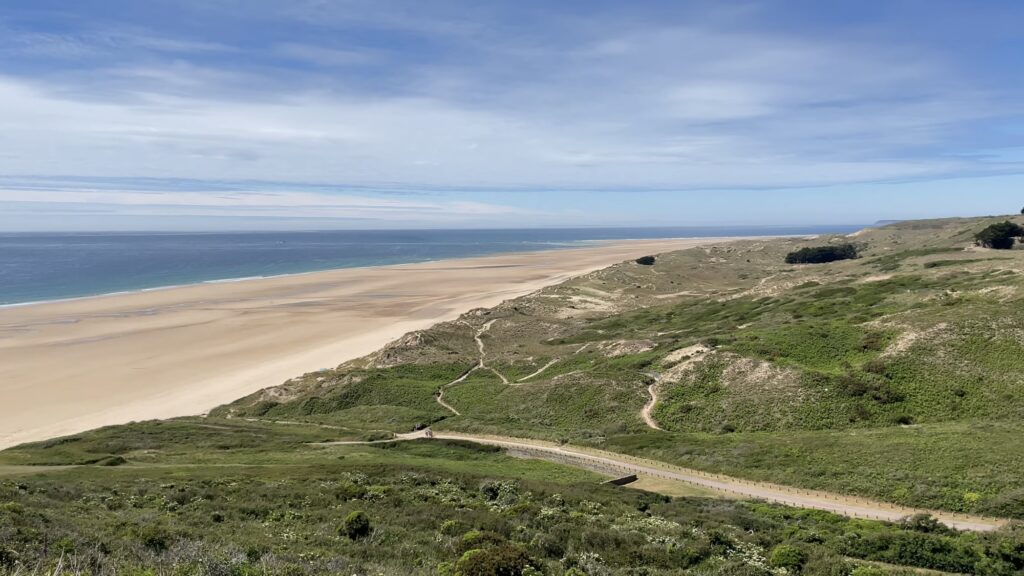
x=79, y=364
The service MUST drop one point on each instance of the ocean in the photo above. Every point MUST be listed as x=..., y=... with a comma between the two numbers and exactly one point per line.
x=38, y=267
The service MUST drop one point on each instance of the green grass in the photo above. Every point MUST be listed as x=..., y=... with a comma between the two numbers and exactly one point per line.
x=893, y=261
x=961, y=466
x=404, y=396
x=219, y=507
x=895, y=376
x=583, y=405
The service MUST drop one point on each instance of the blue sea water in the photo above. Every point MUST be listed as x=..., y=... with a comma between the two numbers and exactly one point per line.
x=39, y=267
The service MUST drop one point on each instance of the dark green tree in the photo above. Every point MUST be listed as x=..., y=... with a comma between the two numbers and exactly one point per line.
x=1000, y=236
x=822, y=254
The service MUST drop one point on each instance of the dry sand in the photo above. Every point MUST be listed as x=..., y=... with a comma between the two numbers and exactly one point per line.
x=71, y=366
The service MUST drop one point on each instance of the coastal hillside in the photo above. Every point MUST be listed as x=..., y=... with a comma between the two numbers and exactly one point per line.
x=895, y=375
x=208, y=496
x=892, y=373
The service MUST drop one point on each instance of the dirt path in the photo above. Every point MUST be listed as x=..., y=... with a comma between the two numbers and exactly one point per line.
x=480, y=365
x=447, y=406
x=440, y=391
x=649, y=406
x=685, y=358
x=589, y=458
x=483, y=354
x=540, y=371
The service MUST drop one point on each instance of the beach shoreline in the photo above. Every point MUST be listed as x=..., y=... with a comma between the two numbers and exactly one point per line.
x=75, y=364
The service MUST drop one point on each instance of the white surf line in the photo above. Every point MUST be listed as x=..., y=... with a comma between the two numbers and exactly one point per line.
x=850, y=506
x=539, y=372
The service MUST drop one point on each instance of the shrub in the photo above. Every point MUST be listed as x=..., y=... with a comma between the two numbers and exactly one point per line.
x=646, y=260
x=826, y=564
x=789, y=557
x=872, y=341
x=8, y=557
x=475, y=539
x=154, y=537
x=822, y=254
x=875, y=366
x=506, y=560
x=356, y=525
x=999, y=236
x=450, y=527
x=925, y=523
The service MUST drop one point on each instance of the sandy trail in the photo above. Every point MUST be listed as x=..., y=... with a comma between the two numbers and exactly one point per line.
x=622, y=464
x=483, y=354
x=478, y=366
x=74, y=365
x=540, y=370
x=688, y=355
x=645, y=413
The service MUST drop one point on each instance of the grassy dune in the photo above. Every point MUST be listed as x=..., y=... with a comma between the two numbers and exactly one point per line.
x=897, y=375
x=811, y=365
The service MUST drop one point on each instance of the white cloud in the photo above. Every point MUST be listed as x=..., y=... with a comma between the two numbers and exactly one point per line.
x=283, y=203
x=604, y=105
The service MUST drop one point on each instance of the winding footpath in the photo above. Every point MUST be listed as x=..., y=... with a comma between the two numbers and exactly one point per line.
x=539, y=371
x=480, y=365
x=612, y=463
x=645, y=413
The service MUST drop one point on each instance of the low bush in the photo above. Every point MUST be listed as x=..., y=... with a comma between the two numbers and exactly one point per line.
x=356, y=525
x=789, y=557
x=822, y=254
x=505, y=560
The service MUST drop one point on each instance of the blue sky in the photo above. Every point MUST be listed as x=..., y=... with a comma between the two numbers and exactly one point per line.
x=192, y=114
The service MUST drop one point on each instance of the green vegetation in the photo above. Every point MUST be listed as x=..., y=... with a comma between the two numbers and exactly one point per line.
x=356, y=525
x=1000, y=236
x=822, y=254
x=646, y=260
x=917, y=334
x=895, y=375
x=961, y=466
x=425, y=507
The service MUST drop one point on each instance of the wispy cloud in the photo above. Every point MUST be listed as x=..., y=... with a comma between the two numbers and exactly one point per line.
x=500, y=96
x=50, y=199
x=324, y=56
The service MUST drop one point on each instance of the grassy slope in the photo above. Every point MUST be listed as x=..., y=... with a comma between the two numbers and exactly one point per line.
x=923, y=330
x=895, y=376
x=213, y=497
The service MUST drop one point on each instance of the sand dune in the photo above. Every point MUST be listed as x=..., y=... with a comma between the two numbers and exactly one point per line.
x=76, y=365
